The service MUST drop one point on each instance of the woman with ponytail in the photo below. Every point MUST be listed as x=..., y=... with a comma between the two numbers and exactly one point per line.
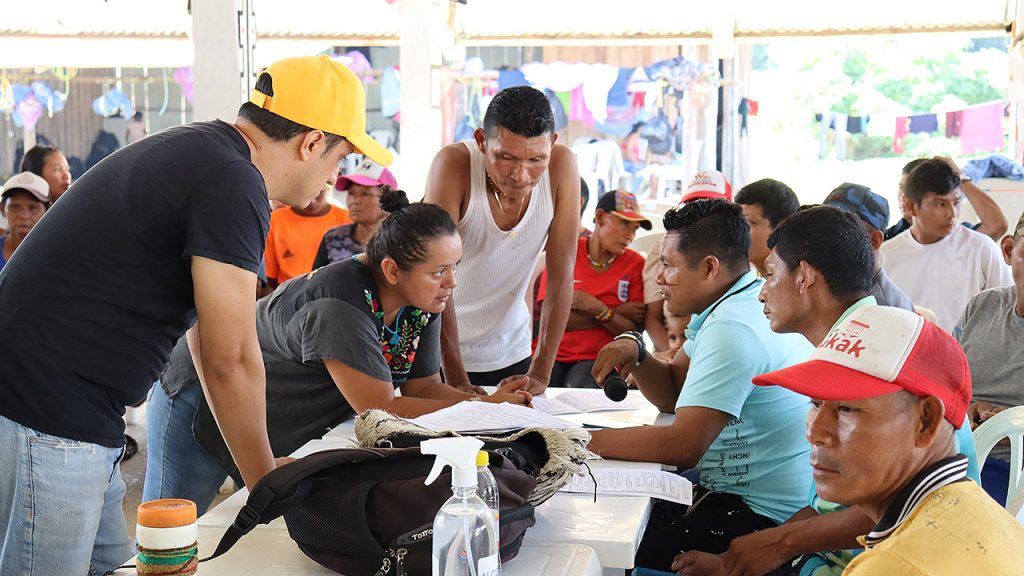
x=335, y=342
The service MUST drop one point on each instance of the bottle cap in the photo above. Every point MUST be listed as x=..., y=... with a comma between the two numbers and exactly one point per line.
x=167, y=513
x=482, y=459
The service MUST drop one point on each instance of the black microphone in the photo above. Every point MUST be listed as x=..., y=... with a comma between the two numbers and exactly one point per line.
x=614, y=386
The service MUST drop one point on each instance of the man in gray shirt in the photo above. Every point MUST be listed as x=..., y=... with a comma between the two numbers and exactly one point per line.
x=873, y=212
x=990, y=331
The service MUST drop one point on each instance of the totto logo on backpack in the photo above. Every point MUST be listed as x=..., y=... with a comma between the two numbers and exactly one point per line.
x=367, y=510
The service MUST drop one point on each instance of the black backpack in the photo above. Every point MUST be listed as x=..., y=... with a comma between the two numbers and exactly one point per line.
x=367, y=511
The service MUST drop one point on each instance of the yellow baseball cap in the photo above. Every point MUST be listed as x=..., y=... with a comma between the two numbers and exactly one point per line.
x=320, y=93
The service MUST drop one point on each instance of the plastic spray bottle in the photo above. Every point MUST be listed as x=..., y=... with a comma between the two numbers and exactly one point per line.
x=465, y=539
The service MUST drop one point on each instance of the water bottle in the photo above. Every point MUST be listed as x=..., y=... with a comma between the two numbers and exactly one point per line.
x=487, y=488
x=465, y=538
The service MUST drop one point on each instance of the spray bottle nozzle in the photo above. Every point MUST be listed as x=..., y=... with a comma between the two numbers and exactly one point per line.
x=459, y=453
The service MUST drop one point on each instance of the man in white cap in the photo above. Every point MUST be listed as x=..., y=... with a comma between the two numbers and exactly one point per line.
x=888, y=391
x=161, y=233
x=24, y=201
x=363, y=187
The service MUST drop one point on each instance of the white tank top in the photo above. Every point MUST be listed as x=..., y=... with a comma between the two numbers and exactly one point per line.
x=494, y=321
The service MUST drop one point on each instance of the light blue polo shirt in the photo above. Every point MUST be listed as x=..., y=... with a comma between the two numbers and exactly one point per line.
x=761, y=455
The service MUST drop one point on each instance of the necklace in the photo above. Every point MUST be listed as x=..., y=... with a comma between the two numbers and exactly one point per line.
x=594, y=263
x=395, y=336
x=522, y=202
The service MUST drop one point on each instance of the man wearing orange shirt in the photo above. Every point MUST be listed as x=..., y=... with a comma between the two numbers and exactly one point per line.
x=295, y=235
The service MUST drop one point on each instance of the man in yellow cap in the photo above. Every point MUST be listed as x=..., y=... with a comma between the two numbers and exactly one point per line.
x=162, y=234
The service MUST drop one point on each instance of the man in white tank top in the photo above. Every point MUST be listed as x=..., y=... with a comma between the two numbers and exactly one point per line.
x=514, y=194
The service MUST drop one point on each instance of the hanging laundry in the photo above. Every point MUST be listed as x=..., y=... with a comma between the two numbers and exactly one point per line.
x=558, y=109
x=754, y=106
x=856, y=124
x=982, y=128
x=836, y=120
x=899, y=139
x=924, y=124
x=510, y=78
x=390, y=92
x=597, y=81
x=744, y=111
x=578, y=108
x=994, y=166
x=618, y=95
x=620, y=121
x=953, y=121
x=880, y=125
x=557, y=76
x=565, y=97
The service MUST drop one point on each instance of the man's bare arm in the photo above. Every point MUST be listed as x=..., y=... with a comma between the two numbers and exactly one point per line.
x=559, y=259
x=227, y=357
x=447, y=187
x=682, y=444
x=992, y=221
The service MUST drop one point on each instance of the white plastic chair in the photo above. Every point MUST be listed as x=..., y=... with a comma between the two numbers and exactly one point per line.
x=1007, y=424
x=643, y=244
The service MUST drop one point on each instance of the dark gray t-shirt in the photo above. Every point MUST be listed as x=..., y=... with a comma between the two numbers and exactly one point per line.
x=990, y=332
x=333, y=312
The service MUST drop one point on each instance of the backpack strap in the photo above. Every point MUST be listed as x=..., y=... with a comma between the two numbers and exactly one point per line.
x=285, y=487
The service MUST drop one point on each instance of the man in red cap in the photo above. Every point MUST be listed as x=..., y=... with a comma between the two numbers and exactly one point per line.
x=888, y=391
x=607, y=297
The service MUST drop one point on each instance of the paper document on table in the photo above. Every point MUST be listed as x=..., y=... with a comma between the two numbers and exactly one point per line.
x=580, y=401
x=625, y=482
x=483, y=417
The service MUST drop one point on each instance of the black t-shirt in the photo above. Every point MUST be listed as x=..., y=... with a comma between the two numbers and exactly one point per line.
x=99, y=292
x=332, y=313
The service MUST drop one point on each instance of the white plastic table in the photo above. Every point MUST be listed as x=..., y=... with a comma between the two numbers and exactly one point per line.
x=573, y=534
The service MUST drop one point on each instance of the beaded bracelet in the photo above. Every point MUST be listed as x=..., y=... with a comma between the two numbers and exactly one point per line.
x=641, y=348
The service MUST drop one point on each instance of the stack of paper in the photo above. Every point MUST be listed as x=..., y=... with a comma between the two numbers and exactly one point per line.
x=631, y=482
x=487, y=418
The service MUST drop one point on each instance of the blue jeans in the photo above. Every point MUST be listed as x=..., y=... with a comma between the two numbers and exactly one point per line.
x=176, y=465
x=62, y=503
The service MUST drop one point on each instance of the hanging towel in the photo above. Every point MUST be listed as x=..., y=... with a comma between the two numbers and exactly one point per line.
x=924, y=123
x=899, y=139
x=578, y=108
x=856, y=124
x=982, y=128
x=953, y=121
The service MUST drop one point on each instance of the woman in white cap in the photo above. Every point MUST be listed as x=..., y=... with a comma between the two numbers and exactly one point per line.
x=24, y=201
x=364, y=186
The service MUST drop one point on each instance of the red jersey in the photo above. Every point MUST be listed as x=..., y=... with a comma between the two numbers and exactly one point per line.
x=622, y=282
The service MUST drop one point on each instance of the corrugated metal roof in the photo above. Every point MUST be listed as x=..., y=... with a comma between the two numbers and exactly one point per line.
x=72, y=23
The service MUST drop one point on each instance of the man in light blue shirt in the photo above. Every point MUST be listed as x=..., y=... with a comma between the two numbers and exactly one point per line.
x=819, y=271
x=747, y=441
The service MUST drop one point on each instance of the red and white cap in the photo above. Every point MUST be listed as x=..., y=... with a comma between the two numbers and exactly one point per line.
x=879, y=350
x=368, y=173
x=708, y=184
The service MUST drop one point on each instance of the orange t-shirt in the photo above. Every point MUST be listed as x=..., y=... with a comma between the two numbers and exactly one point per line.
x=293, y=240
x=622, y=282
